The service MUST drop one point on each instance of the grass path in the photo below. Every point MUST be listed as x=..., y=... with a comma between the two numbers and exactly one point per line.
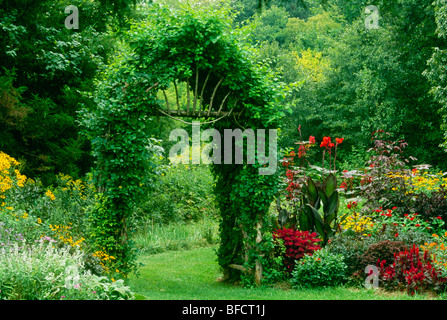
x=193, y=274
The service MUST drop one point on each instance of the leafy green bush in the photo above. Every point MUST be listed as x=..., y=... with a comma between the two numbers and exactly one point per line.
x=65, y=203
x=183, y=193
x=322, y=268
x=39, y=271
x=352, y=247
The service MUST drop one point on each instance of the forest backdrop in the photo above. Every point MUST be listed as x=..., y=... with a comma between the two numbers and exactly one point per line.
x=342, y=78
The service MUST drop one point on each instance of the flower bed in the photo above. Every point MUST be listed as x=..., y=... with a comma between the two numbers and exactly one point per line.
x=45, y=249
x=389, y=224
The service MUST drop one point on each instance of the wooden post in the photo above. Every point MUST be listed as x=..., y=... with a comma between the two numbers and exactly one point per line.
x=258, y=264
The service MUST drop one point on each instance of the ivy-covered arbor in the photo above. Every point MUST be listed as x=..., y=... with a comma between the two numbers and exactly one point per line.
x=184, y=64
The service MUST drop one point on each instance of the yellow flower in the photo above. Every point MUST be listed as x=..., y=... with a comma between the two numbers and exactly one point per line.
x=50, y=195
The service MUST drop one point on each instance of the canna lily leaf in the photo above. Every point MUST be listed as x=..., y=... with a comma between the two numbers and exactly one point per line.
x=330, y=184
x=312, y=190
x=305, y=219
x=332, y=202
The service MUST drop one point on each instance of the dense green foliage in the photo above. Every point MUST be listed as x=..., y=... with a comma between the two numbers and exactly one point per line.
x=84, y=102
x=350, y=80
x=170, y=46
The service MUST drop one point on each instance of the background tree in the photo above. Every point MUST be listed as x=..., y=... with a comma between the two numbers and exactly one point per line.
x=374, y=79
x=44, y=68
x=437, y=66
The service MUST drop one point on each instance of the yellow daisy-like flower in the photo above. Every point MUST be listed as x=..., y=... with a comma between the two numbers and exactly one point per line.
x=50, y=195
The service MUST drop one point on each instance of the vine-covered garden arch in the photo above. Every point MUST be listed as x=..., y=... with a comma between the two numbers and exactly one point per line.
x=192, y=53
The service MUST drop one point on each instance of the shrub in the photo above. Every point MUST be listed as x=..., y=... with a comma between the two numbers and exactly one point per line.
x=183, y=193
x=431, y=205
x=297, y=244
x=382, y=250
x=42, y=272
x=351, y=246
x=384, y=184
x=65, y=203
x=411, y=271
x=323, y=268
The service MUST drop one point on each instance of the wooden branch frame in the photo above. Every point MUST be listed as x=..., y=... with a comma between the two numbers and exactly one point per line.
x=196, y=107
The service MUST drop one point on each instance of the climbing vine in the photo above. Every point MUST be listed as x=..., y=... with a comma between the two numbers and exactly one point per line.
x=199, y=47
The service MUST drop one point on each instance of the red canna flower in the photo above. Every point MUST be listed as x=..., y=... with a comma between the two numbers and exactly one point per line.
x=327, y=142
x=312, y=140
x=339, y=140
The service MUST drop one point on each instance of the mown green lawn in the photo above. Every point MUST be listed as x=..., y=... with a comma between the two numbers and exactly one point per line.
x=193, y=274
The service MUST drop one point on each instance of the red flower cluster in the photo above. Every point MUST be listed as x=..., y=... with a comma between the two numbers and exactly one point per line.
x=411, y=270
x=352, y=204
x=388, y=213
x=297, y=243
x=327, y=143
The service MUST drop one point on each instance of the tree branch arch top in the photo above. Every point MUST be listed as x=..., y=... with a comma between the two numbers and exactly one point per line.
x=192, y=65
